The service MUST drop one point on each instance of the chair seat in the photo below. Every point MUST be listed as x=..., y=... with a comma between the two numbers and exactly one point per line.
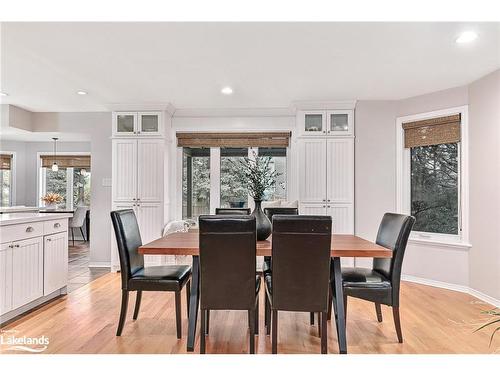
x=170, y=278
x=363, y=278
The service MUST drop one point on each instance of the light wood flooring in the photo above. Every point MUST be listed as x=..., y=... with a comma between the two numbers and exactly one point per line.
x=434, y=321
x=79, y=272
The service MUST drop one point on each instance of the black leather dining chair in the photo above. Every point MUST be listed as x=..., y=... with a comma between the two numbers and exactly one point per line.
x=228, y=279
x=301, y=269
x=381, y=283
x=232, y=211
x=137, y=277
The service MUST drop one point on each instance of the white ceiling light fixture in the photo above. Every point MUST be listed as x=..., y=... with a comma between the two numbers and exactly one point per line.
x=466, y=37
x=3, y=93
x=81, y=92
x=226, y=90
x=55, y=167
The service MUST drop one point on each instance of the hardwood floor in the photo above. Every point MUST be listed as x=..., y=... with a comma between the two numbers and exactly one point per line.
x=79, y=272
x=434, y=321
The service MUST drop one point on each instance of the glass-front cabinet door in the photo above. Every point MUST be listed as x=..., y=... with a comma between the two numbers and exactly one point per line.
x=313, y=122
x=149, y=123
x=340, y=122
x=125, y=123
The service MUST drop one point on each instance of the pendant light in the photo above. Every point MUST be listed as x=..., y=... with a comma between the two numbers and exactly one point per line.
x=55, y=167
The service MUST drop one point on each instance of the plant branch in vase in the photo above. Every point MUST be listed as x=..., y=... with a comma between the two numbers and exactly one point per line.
x=51, y=200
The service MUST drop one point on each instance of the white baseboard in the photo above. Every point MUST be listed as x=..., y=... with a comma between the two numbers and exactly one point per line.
x=100, y=264
x=455, y=287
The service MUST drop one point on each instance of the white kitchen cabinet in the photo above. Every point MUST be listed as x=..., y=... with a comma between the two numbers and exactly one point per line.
x=312, y=122
x=127, y=124
x=313, y=170
x=150, y=220
x=340, y=122
x=27, y=271
x=326, y=122
x=150, y=155
x=312, y=209
x=342, y=217
x=55, y=258
x=124, y=166
x=5, y=278
x=340, y=170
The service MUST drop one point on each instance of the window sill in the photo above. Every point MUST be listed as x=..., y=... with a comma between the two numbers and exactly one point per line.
x=436, y=243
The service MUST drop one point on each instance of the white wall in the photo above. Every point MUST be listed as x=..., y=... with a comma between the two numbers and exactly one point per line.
x=20, y=168
x=484, y=139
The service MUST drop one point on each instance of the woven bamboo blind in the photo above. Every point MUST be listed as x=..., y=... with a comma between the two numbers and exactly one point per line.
x=66, y=161
x=432, y=131
x=5, y=162
x=199, y=139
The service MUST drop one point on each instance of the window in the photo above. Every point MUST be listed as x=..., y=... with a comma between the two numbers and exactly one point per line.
x=72, y=181
x=6, y=162
x=432, y=174
x=278, y=163
x=195, y=182
x=233, y=192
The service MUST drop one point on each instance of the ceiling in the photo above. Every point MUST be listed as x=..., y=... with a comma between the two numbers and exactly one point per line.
x=268, y=65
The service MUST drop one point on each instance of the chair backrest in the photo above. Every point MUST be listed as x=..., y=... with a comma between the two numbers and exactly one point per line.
x=232, y=211
x=227, y=261
x=393, y=233
x=128, y=240
x=301, y=262
x=78, y=217
x=271, y=211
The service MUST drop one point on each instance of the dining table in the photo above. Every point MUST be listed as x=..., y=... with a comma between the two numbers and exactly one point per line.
x=342, y=246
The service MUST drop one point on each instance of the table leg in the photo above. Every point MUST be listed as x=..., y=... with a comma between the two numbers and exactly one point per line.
x=339, y=304
x=194, y=303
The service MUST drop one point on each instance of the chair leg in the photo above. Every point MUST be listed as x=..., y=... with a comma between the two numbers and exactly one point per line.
x=274, y=339
x=397, y=322
x=188, y=295
x=345, y=308
x=311, y=318
x=378, y=309
x=203, y=319
x=267, y=313
x=83, y=236
x=251, y=314
x=330, y=303
x=207, y=329
x=73, y=236
x=138, y=297
x=319, y=324
x=256, y=318
x=324, y=333
x=178, y=319
x=123, y=312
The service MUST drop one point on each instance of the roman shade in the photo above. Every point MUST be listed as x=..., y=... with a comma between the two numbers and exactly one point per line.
x=66, y=161
x=434, y=131
x=5, y=162
x=247, y=139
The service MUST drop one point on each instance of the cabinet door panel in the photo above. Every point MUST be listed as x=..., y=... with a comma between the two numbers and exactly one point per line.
x=340, y=122
x=342, y=218
x=340, y=170
x=124, y=123
x=115, y=259
x=312, y=209
x=27, y=271
x=150, y=219
x=5, y=278
x=312, y=122
x=55, y=256
x=150, y=158
x=150, y=123
x=313, y=170
x=124, y=169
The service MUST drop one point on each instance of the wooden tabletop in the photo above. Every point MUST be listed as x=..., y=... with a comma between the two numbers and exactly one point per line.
x=343, y=245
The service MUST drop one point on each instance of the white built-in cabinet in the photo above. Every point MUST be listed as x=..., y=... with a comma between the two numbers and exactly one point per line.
x=5, y=278
x=326, y=167
x=138, y=182
x=137, y=124
x=55, y=259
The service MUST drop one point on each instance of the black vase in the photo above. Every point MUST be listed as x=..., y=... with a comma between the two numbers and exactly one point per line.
x=262, y=222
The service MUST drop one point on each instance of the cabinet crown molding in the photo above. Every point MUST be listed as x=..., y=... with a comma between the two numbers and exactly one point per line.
x=142, y=107
x=323, y=104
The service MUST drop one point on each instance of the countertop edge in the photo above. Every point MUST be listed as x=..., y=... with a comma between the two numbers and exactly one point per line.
x=32, y=219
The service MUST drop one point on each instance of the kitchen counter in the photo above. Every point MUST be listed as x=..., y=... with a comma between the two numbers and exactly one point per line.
x=30, y=217
x=8, y=210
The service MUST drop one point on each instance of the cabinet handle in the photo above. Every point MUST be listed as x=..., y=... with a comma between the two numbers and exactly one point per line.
x=324, y=206
x=329, y=206
x=324, y=131
x=133, y=199
x=11, y=246
x=57, y=225
x=30, y=229
x=324, y=200
x=328, y=200
x=49, y=239
x=139, y=132
x=17, y=246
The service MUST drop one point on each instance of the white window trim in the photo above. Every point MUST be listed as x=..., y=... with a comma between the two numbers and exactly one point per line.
x=41, y=178
x=403, y=179
x=12, y=176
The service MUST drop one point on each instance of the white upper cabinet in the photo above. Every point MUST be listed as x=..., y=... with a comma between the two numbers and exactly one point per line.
x=340, y=122
x=340, y=170
x=137, y=124
x=313, y=170
x=124, y=169
x=321, y=123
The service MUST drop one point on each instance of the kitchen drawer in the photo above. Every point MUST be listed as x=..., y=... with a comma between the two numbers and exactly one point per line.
x=16, y=232
x=55, y=226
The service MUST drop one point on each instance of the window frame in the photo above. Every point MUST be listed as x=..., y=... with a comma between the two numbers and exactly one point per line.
x=12, y=176
x=403, y=179
x=41, y=177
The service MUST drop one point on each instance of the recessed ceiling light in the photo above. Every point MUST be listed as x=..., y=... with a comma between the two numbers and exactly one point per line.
x=81, y=92
x=3, y=94
x=227, y=90
x=466, y=37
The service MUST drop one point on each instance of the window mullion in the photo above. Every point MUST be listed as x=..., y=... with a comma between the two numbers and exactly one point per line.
x=214, y=179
